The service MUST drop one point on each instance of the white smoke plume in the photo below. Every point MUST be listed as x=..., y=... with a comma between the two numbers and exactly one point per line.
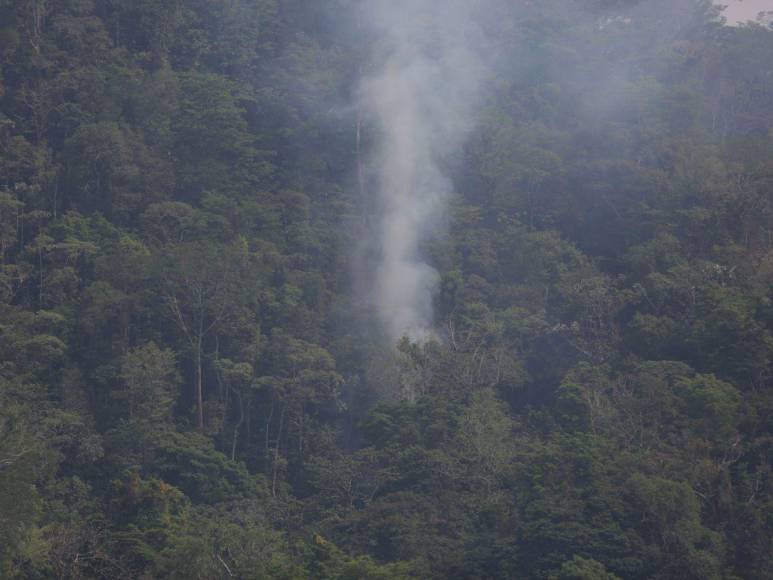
x=418, y=92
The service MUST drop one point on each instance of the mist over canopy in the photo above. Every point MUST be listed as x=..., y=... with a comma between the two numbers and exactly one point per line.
x=385, y=290
x=419, y=94
x=741, y=11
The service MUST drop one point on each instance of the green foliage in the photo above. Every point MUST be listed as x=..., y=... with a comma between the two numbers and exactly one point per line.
x=189, y=387
x=579, y=568
x=20, y=505
x=329, y=562
x=150, y=378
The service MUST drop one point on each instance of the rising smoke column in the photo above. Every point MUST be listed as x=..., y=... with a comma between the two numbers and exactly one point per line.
x=418, y=93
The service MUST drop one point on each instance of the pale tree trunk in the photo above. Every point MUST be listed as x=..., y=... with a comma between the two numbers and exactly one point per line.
x=38, y=12
x=198, y=389
x=360, y=163
x=237, y=426
x=275, y=474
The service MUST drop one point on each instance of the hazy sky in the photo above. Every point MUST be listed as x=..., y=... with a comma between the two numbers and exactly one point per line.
x=743, y=10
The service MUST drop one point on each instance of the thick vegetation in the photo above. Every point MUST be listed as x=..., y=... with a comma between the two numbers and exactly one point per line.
x=189, y=387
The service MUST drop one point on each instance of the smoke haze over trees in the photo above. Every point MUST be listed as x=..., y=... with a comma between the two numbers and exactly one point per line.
x=741, y=11
x=368, y=289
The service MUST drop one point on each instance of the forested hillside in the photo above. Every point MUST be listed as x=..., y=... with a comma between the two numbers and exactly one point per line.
x=192, y=384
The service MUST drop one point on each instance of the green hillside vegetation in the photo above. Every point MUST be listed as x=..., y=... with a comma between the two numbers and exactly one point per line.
x=191, y=387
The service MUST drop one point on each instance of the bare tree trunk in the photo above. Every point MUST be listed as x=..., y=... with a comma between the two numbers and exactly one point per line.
x=40, y=288
x=360, y=164
x=275, y=474
x=37, y=16
x=198, y=389
x=237, y=426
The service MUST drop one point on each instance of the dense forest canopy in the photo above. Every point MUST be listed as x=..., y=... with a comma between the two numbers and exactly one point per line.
x=195, y=378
